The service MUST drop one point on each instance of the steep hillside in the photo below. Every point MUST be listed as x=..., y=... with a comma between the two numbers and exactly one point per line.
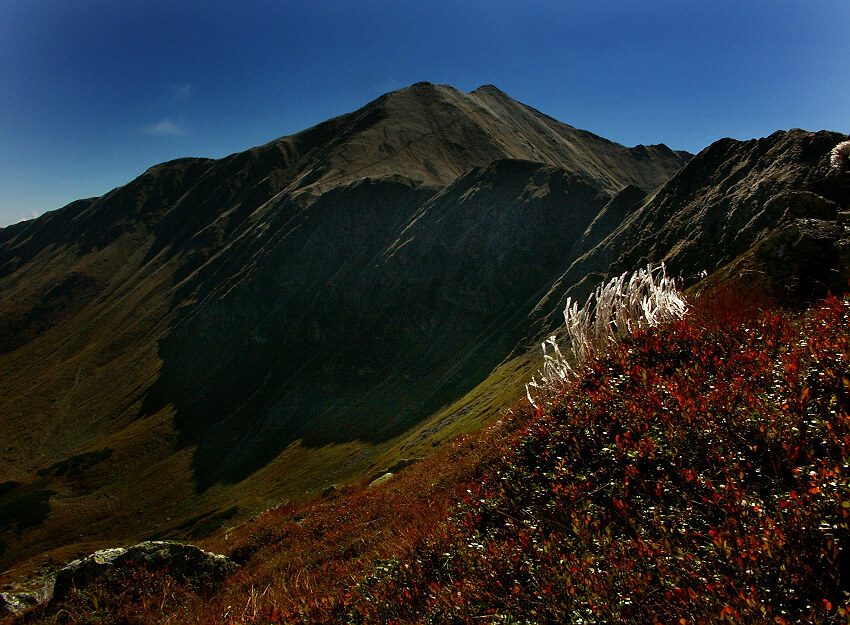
x=770, y=210
x=219, y=335
x=697, y=472
x=726, y=200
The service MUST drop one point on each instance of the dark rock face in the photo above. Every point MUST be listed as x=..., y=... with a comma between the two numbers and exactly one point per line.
x=377, y=304
x=805, y=258
x=724, y=200
x=834, y=187
x=183, y=561
x=802, y=205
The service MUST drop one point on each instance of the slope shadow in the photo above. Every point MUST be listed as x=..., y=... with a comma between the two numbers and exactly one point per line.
x=370, y=310
x=288, y=352
x=259, y=402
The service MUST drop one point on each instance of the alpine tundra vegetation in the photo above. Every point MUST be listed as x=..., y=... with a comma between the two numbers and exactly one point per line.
x=696, y=471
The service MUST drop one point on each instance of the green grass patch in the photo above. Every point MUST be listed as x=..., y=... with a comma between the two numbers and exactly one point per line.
x=205, y=524
x=212, y=523
x=190, y=522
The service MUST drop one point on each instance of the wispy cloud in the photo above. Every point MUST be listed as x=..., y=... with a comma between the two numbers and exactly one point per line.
x=165, y=128
x=184, y=92
x=10, y=218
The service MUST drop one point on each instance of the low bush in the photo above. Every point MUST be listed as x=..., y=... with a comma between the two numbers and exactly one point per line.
x=692, y=475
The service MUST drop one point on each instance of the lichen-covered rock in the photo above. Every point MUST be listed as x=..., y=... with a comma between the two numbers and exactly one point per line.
x=79, y=573
x=12, y=603
x=182, y=561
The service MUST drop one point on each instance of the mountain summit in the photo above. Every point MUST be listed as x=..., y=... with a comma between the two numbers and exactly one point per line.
x=219, y=335
x=434, y=133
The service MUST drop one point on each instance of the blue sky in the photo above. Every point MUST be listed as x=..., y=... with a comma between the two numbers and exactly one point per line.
x=94, y=92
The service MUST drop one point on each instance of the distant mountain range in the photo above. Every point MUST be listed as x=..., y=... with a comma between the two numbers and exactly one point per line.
x=219, y=335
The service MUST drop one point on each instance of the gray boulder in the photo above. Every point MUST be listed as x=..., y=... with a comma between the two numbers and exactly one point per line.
x=12, y=603
x=382, y=476
x=381, y=479
x=185, y=562
x=80, y=573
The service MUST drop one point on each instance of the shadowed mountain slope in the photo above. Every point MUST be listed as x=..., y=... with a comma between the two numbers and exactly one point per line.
x=403, y=308
x=118, y=271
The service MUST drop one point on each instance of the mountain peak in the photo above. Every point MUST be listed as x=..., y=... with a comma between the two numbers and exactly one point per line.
x=489, y=89
x=434, y=133
x=425, y=88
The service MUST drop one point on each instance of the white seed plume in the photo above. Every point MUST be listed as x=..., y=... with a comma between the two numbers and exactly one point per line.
x=840, y=155
x=621, y=306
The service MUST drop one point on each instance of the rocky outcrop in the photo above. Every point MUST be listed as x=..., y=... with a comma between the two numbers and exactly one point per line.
x=12, y=603
x=807, y=254
x=766, y=208
x=182, y=561
x=384, y=476
x=720, y=204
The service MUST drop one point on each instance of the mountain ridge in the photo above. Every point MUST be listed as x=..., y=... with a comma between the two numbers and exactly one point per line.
x=250, y=329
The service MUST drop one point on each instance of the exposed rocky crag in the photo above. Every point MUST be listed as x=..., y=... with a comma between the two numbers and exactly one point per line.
x=12, y=603
x=768, y=210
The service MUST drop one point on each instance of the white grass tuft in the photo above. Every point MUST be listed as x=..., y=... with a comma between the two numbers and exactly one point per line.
x=840, y=155
x=621, y=306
